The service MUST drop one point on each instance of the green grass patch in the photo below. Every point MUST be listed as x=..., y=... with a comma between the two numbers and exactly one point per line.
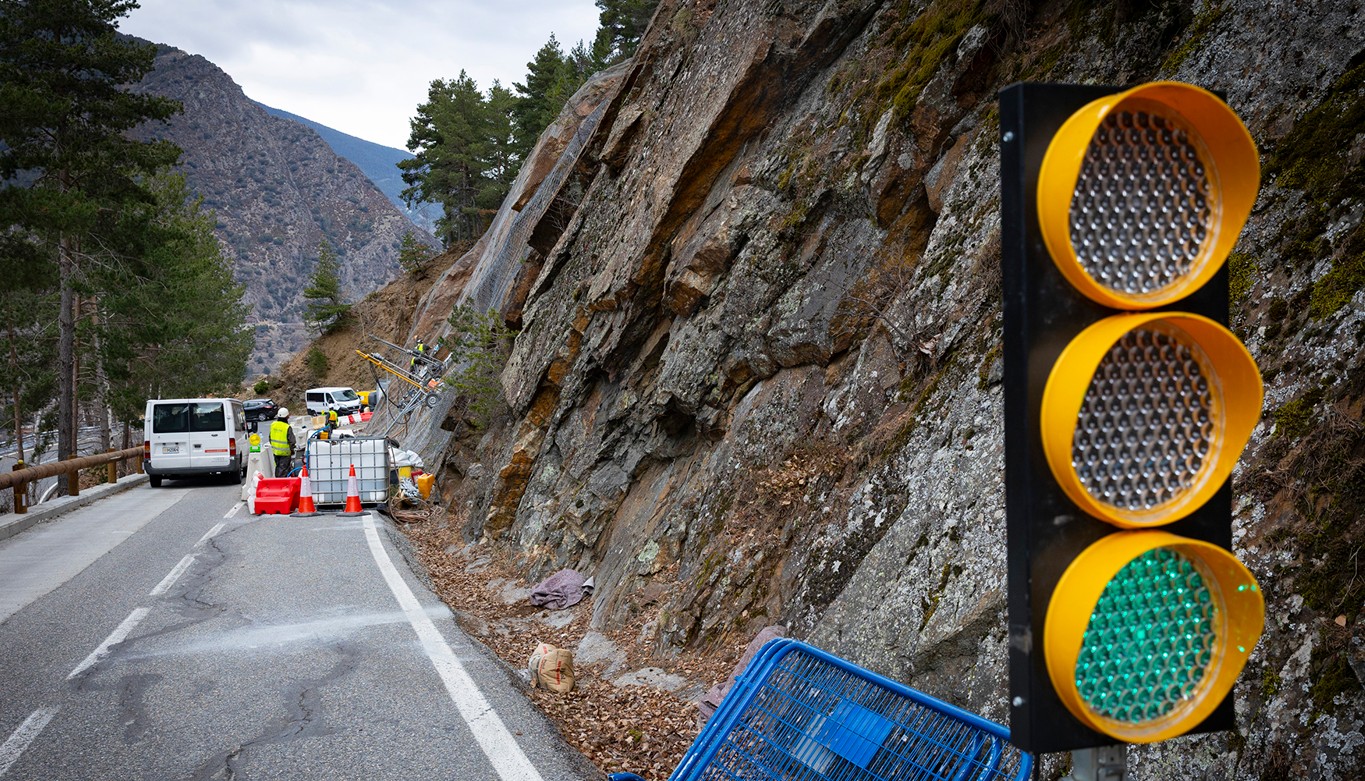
x=921, y=47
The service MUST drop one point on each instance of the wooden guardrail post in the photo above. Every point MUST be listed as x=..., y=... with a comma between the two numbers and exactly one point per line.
x=73, y=479
x=20, y=492
x=111, y=471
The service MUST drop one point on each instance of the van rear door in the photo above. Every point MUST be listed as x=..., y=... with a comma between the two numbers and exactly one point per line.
x=169, y=438
x=209, y=446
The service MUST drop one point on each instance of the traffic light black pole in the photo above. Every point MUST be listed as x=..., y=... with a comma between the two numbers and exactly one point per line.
x=1042, y=314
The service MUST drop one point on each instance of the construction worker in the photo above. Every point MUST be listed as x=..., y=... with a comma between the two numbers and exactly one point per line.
x=282, y=442
x=331, y=424
x=420, y=350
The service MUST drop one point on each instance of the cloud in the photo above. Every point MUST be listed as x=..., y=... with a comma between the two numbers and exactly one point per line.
x=361, y=66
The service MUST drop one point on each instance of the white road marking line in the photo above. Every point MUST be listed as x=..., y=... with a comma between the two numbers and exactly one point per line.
x=172, y=577
x=117, y=636
x=491, y=734
x=24, y=735
x=235, y=509
x=210, y=534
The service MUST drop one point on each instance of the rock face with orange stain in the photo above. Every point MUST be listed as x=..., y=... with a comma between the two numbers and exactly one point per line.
x=756, y=377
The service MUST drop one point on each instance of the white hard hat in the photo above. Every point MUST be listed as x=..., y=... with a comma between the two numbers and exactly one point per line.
x=283, y=414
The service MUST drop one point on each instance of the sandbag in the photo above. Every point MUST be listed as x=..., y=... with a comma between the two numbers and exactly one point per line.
x=552, y=668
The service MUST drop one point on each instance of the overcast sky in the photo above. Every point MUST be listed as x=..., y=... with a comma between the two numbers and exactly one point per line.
x=361, y=66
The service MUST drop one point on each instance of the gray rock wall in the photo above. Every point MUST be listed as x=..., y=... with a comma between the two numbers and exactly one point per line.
x=758, y=375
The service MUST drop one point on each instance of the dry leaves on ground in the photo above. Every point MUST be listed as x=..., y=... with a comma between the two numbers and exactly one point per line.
x=641, y=729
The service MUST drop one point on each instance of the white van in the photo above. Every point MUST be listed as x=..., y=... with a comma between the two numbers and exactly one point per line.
x=344, y=400
x=184, y=437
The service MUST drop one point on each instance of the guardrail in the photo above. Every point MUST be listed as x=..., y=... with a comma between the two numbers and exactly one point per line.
x=71, y=467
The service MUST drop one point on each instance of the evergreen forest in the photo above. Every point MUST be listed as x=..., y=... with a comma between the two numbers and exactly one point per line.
x=115, y=287
x=468, y=143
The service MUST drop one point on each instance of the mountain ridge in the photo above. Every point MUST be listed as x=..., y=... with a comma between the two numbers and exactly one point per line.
x=277, y=189
x=377, y=161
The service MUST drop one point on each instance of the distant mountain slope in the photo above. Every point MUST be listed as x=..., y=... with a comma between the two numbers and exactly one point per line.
x=277, y=189
x=377, y=161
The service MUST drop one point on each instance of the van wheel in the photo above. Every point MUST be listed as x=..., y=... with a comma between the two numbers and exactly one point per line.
x=155, y=480
x=241, y=475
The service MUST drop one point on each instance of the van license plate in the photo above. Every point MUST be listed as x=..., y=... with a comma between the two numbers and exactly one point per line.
x=170, y=449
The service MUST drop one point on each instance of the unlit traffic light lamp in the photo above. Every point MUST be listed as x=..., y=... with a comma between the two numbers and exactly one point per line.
x=1144, y=415
x=1141, y=194
x=1128, y=402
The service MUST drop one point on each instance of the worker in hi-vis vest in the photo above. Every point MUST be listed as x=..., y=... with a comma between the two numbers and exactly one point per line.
x=282, y=442
x=420, y=350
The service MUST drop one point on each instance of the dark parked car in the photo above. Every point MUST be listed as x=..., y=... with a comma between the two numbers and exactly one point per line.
x=259, y=409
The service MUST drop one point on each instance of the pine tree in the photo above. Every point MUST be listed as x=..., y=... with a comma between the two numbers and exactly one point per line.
x=449, y=141
x=477, y=349
x=413, y=255
x=620, y=25
x=172, y=317
x=325, y=308
x=540, y=99
x=501, y=161
x=65, y=148
x=28, y=311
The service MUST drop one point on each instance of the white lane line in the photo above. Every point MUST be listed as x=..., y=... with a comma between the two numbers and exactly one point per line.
x=489, y=731
x=210, y=534
x=24, y=735
x=235, y=509
x=117, y=636
x=172, y=577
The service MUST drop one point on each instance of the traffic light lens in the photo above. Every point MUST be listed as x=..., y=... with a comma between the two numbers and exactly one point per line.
x=1146, y=632
x=1141, y=213
x=1141, y=194
x=1149, y=641
x=1145, y=427
x=1144, y=415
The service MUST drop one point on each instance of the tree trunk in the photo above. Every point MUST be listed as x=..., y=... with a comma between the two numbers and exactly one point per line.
x=127, y=437
x=101, y=390
x=18, y=416
x=66, y=353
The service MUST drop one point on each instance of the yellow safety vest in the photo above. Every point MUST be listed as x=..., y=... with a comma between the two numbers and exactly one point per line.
x=279, y=438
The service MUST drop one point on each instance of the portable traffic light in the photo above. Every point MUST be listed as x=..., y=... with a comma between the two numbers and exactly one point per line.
x=1127, y=404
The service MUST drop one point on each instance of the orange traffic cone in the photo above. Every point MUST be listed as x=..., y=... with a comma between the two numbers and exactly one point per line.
x=352, y=496
x=307, y=508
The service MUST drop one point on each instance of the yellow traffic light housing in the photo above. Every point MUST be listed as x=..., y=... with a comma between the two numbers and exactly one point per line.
x=1144, y=415
x=1127, y=404
x=1142, y=194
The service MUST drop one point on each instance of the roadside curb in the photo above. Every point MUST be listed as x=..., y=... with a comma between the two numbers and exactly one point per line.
x=13, y=523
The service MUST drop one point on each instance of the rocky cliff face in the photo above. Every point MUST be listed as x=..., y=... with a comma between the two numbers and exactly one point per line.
x=758, y=373
x=277, y=190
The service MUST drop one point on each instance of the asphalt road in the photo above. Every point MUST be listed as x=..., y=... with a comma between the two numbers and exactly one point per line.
x=166, y=634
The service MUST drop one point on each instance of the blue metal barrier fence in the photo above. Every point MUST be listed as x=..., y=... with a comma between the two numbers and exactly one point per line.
x=800, y=714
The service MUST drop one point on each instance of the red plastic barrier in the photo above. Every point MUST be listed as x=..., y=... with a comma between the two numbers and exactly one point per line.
x=277, y=495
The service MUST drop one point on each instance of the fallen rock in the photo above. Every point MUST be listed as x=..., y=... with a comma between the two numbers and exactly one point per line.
x=596, y=648
x=652, y=677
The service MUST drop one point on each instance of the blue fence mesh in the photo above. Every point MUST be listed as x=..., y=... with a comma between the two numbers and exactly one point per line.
x=799, y=714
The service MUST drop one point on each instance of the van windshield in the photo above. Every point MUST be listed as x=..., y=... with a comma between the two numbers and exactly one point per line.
x=186, y=417
x=346, y=394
